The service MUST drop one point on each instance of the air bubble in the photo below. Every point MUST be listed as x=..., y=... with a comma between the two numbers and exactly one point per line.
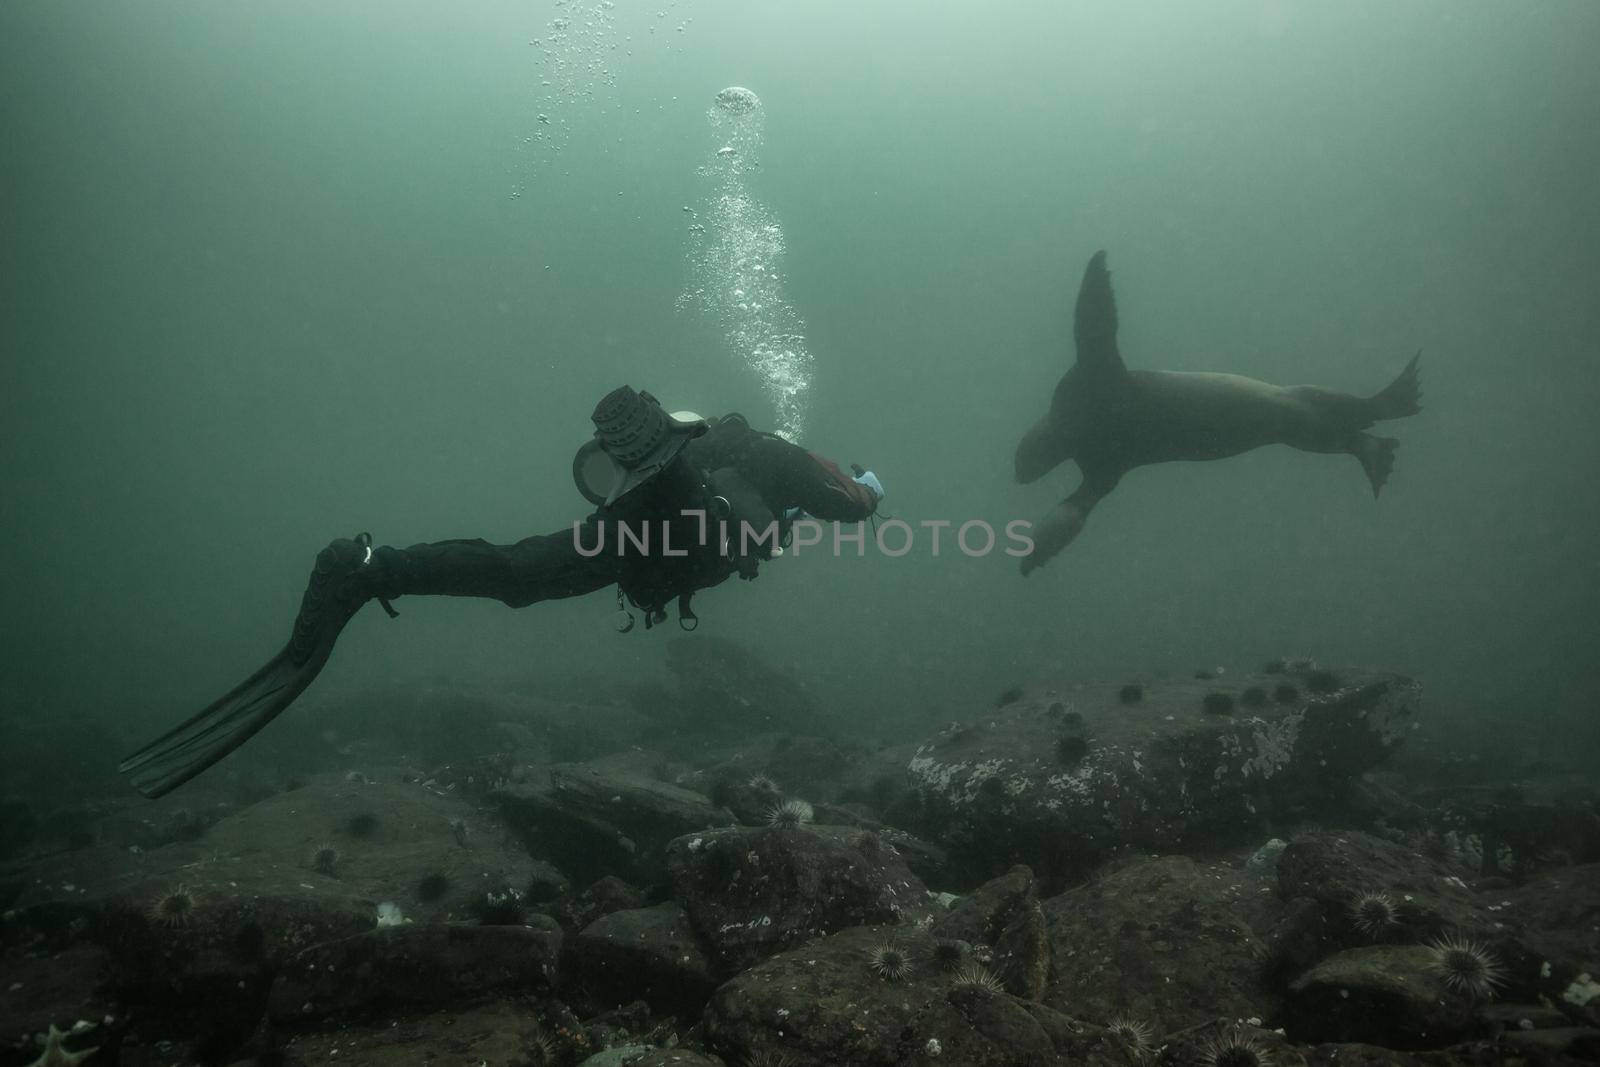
x=736, y=266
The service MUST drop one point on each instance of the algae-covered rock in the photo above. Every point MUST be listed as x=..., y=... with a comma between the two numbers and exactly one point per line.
x=1002, y=924
x=422, y=967
x=1387, y=995
x=1364, y=890
x=1161, y=940
x=649, y=953
x=838, y=1002
x=594, y=820
x=752, y=893
x=1551, y=942
x=1064, y=773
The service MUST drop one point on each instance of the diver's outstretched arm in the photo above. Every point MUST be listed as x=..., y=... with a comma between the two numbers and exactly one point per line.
x=348, y=573
x=1066, y=519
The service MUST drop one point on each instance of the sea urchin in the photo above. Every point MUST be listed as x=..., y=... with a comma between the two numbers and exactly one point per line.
x=890, y=962
x=789, y=814
x=1466, y=967
x=1374, y=914
x=1235, y=1048
x=1133, y=1034
x=975, y=975
x=174, y=908
x=325, y=860
x=948, y=953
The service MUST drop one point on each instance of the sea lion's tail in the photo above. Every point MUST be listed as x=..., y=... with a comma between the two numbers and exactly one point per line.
x=1377, y=458
x=1400, y=397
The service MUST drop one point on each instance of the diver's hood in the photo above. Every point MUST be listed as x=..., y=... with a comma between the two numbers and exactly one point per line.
x=634, y=440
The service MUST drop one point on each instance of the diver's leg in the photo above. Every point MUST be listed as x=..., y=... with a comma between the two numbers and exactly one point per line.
x=347, y=574
x=350, y=573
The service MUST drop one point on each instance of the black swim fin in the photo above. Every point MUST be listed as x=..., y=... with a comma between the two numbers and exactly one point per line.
x=177, y=756
x=345, y=577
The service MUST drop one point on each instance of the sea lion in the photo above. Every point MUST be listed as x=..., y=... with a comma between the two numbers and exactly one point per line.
x=1110, y=419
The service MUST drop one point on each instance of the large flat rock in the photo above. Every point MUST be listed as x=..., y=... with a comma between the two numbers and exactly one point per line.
x=1065, y=773
x=426, y=967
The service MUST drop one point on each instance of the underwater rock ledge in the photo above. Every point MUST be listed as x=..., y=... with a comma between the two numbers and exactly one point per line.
x=1064, y=773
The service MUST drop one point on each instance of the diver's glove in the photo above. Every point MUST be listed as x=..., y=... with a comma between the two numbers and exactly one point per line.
x=870, y=480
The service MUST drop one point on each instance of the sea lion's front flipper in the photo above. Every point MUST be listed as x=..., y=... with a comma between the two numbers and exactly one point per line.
x=1042, y=449
x=1065, y=521
x=1094, y=325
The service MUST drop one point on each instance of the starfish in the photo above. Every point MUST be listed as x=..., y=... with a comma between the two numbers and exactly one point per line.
x=56, y=1056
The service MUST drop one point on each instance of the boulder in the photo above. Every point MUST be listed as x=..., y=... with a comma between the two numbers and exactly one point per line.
x=576, y=911
x=649, y=1056
x=1064, y=773
x=841, y=1001
x=1003, y=926
x=1549, y=941
x=1385, y=995
x=593, y=821
x=1228, y=1041
x=57, y=989
x=191, y=933
x=1349, y=889
x=649, y=953
x=1160, y=940
x=1541, y=934
x=417, y=967
x=751, y=893
x=512, y=1032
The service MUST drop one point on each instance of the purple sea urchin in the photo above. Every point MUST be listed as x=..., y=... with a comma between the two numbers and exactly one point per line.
x=789, y=815
x=173, y=909
x=1235, y=1048
x=1374, y=914
x=1466, y=967
x=889, y=962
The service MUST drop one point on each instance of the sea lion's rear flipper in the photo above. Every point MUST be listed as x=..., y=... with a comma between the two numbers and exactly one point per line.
x=1400, y=397
x=1377, y=457
x=1094, y=325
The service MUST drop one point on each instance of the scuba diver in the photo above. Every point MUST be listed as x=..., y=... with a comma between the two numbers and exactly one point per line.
x=681, y=504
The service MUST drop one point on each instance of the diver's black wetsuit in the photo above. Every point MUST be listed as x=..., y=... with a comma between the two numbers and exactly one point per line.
x=550, y=566
x=759, y=475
